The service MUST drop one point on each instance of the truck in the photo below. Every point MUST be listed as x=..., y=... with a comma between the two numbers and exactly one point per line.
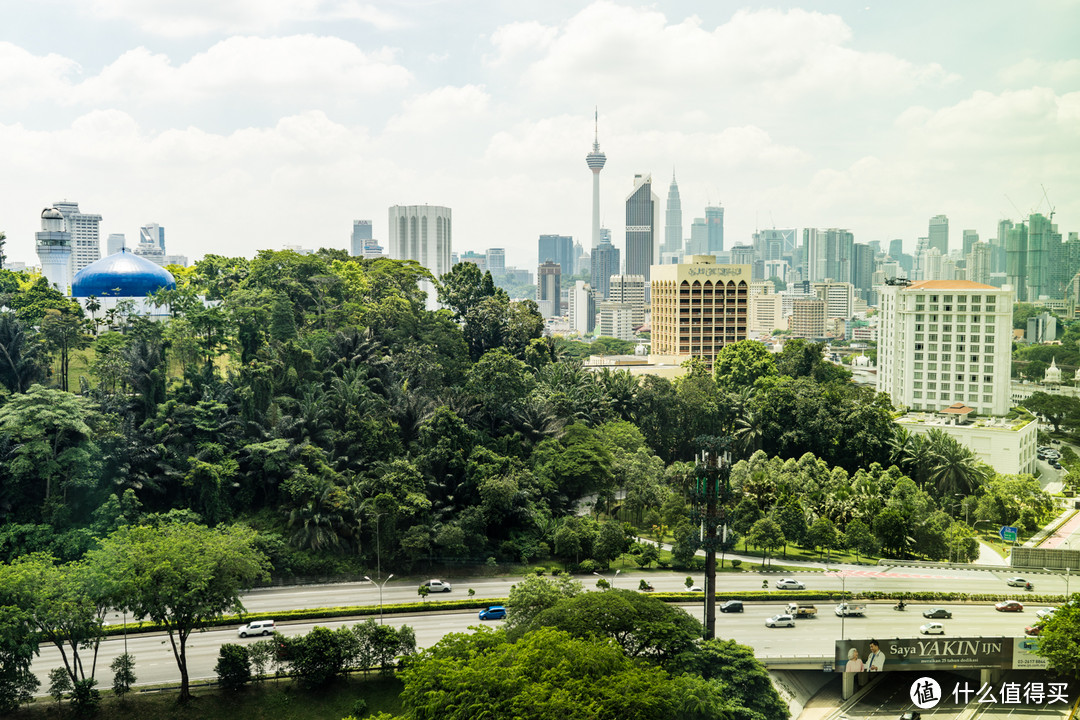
x=850, y=609
x=801, y=610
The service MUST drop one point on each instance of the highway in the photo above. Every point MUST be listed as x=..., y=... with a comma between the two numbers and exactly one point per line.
x=852, y=578
x=155, y=663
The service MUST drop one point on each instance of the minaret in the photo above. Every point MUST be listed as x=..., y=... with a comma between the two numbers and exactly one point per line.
x=54, y=249
x=595, y=160
x=673, y=221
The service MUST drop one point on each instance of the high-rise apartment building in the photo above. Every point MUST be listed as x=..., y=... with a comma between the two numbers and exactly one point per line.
x=714, y=220
x=582, y=307
x=1016, y=245
x=808, y=318
x=605, y=263
x=766, y=310
x=423, y=233
x=698, y=244
x=548, y=286
x=697, y=308
x=946, y=341
x=557, y=248
x=642, y=215
x=673, y=237
x=839, y=298
x=862, y=273
x=978, y=263
x=1046, y=260
x=85, y=235
x=970, y=238
x=629, y=289
x=939, y=234
x=595, y=160
x=616, y=320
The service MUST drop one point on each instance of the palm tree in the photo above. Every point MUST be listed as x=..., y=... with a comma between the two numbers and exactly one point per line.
x=317, y=524
x=749, y=431
x=954, y=469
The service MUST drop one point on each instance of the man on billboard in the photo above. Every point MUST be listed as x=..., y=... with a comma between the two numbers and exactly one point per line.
x=875, y=661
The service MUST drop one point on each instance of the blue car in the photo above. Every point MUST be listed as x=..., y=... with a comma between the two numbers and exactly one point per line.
x=495, y=612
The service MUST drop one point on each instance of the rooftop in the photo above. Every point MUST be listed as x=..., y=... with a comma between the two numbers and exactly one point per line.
x=936, y=419
x=949, y=285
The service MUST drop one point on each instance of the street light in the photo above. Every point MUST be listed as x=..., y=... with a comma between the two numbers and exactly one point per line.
x=843, y=599
x=380, y=592
x=613, y=578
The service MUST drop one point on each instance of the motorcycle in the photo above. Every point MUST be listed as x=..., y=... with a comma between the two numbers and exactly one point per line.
x=1029, y=586
x=899, y=606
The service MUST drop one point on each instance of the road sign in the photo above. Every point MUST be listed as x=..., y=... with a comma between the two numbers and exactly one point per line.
x=1007, y=533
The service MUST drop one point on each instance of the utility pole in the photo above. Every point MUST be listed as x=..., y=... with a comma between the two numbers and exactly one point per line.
x=711, y=496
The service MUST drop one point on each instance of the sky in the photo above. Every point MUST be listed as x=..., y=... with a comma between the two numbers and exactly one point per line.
x=242, y=125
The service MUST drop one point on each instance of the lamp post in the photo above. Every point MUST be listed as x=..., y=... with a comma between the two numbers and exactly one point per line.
x=124, y=615
x=613, y=577
x=843, y=599
x=380, y=592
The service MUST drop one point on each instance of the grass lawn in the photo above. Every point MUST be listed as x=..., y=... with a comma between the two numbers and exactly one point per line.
x=281, y=700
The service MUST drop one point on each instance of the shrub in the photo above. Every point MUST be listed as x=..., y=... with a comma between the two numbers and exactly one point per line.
x=85, y=698
x=736, y=563
x=589, y=566
x=539, y=571
x=233, y=667
x=359, y=708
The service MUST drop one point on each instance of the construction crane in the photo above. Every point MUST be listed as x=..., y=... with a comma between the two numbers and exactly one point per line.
x=1048, y=203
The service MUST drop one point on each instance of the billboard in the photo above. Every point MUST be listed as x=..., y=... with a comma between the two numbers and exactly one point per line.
x=884, y=655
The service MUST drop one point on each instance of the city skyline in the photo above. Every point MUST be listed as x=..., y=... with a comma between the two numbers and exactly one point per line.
x=872, y=120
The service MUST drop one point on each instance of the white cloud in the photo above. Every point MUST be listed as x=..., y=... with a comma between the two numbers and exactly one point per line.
x=199, y=17
x=777, y=55
x=26, y=78
x=1048, y=74
x=436, y=110
x=289, y=67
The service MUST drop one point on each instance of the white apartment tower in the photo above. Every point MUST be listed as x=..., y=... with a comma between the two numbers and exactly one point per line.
x=422, y=233
x=943, y=342
x=85, y=235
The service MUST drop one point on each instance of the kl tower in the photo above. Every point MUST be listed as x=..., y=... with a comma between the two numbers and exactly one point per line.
x=595, y=160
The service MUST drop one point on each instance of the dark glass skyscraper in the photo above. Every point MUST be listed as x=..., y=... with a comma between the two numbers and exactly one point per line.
x=642, y=209
x=714, y=219
x=559, y=249
x=605, y=263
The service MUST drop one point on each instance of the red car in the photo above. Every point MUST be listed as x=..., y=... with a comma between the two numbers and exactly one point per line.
x=1032, y=630
x=1009, y=606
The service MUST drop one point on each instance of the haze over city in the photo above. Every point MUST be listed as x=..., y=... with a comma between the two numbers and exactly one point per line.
x=241, y=125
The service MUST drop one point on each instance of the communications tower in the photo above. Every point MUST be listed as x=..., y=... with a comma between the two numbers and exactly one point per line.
x=595, y=160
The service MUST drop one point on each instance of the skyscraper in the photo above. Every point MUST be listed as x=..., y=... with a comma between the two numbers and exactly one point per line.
x=595, y=160
x=496, y=261
x=605, y=263
x=153, y=233
x=1016, y=245
x=85, y=235
x=939, y=234
x=828, y=254
x=970, y=238
x=422, y=233
x=361, y=233
x=557, y=248
x=642, y=211
x=714, y=219
x=673, y=237
x=548, y=287
x=114, y=243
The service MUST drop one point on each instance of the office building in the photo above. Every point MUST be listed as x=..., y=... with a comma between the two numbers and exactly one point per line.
x=616, y=320
x=605, y=263
x=742, y=255
x=154, y=234
x=808, y=318
x=629, y=289
x=999, y=264
x=1016, y=245
x=714, y=221
x=361, y=234
x=115, y=243
x=938, y=235
x=582, y=307
x=698, y=244
x=642, y=214
x=85, y=235
x=698, y=307
x=496, y=260
x=896, y=248
x=559, y=249
x=423, y=233
x=548, y=283
x=766, y=313
x=150, y=249
x=673, y=237
x=1041, y=328
x=946, y=341
x=828, y=254
x=595, y=160
x=970, y=238
x=180, y=260
x=54, y=249
x=477, y=259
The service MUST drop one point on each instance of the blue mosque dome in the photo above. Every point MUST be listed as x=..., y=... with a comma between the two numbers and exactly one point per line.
x=123, y=274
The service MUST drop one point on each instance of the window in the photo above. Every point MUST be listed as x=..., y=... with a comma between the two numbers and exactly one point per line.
x=920, y=317
x=948, y=308
x=933, y=298
x=933, y=317
x=988, y=349
x=918, y=327
x=917, y=375
x=974, y=358
x=946, y=347
x=988, y=399
x=959, y=348
x=918, y=366
x=916, y=384
x=946, y=357
x=917, y=393
x=944, y=386
x=974, y=378
x=918, y=356
x=918, y=346
x=988, y=379
x=931, y=376
x=959, y=377
x=931, y=385
x=947, y=298
x=974, y=318
x=933, y=337
x=930, y=356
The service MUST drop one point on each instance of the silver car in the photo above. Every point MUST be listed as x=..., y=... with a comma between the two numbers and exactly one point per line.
x=780, y=621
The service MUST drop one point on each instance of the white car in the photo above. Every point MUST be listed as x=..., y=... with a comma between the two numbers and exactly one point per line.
x=258, y=627
x=1017, y=582
x=932, y=629
x=780, y=621
x=790, y=584
x=437, y=586
x=1045, y=613
x=696, y=588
